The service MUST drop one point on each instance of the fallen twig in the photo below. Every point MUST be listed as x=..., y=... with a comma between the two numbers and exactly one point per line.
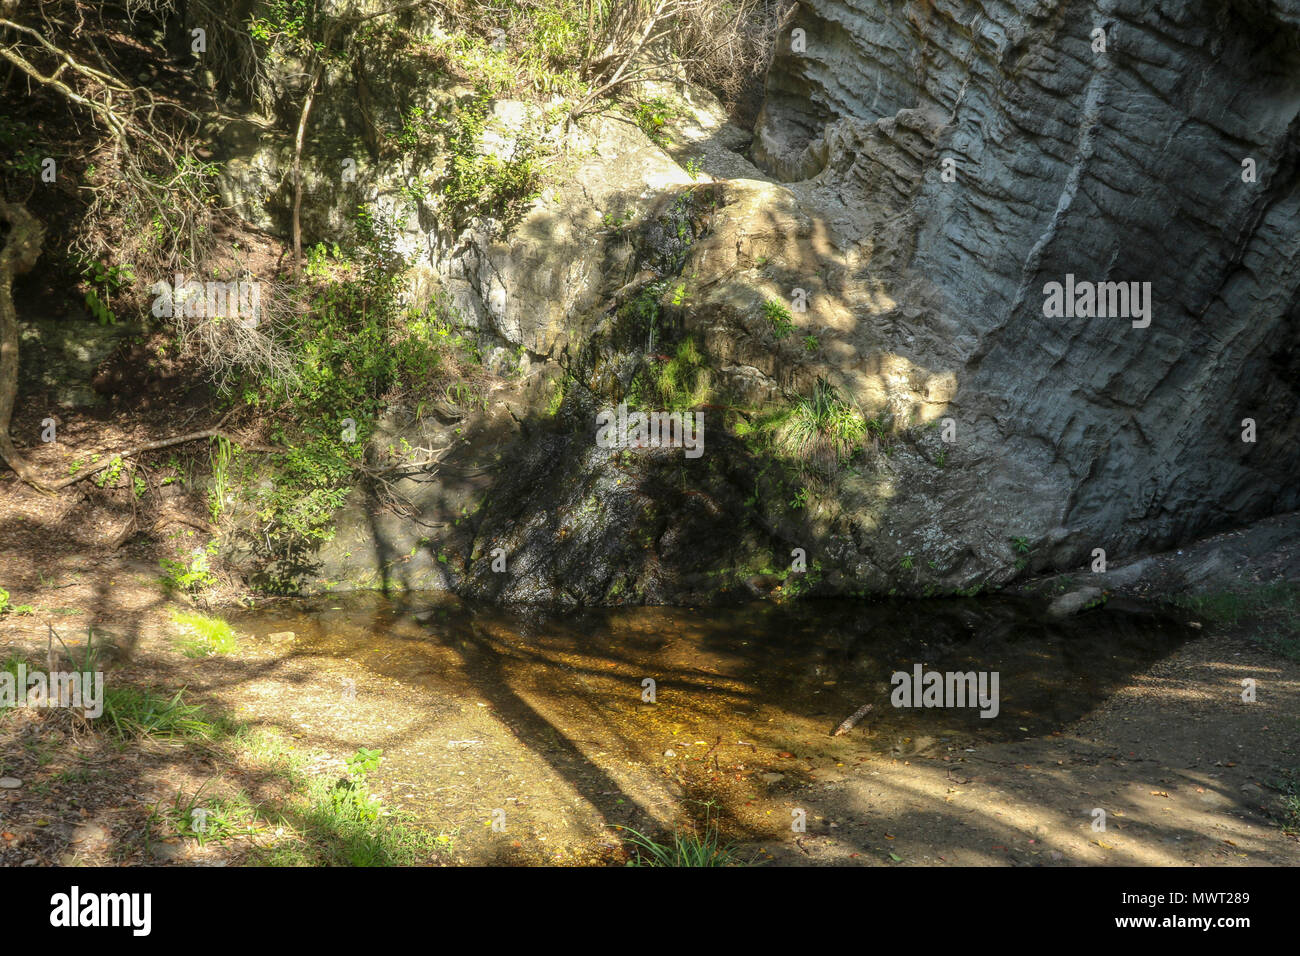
x=851, y=721
x=215, y=432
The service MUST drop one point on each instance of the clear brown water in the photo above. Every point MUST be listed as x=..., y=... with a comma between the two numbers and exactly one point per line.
x=737, y=672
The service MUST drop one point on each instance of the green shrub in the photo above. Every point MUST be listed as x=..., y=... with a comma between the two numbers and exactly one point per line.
x=193, y=575
x=475, y=183
x=651, y=116
x=357, y=351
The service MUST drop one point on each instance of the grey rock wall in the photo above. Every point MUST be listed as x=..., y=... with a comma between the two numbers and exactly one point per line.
x=1123, y=165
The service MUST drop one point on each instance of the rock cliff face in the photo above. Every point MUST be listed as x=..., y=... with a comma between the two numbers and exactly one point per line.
x=924, y=171
x=1123, y=141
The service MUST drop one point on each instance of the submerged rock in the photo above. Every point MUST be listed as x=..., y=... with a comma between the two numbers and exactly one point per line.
x=1074, y=602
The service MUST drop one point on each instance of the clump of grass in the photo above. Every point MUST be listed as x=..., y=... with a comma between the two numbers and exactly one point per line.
x=204, y=635
x=1287, y=783
x=341, y=823
x=689, y=847
x=142, y=712
x=822, y=430
x=212, y=820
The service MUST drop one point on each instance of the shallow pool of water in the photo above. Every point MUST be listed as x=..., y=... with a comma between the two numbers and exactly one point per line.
x=737, y=673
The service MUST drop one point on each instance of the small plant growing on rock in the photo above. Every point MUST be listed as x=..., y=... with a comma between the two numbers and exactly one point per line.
x=822, y=430
x=651, y=115
x=779, y=318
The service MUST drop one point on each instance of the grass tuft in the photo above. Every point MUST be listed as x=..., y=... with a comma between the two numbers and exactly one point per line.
x=204, y=635
x=134, y=712
x=1273, y=608
x=689, y=847
x=822, y=431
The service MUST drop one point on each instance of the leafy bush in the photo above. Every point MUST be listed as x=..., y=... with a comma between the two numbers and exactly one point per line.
x=570, y=45
x=105, y=282
x=356, y=351
x=476, y=182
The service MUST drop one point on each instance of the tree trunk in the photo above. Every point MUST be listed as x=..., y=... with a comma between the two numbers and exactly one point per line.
x=19, y=255
x=297, y=168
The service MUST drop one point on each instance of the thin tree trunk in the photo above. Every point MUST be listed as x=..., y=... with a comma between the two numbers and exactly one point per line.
x=297, y=168
x=20, y=253
x=301, y=136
